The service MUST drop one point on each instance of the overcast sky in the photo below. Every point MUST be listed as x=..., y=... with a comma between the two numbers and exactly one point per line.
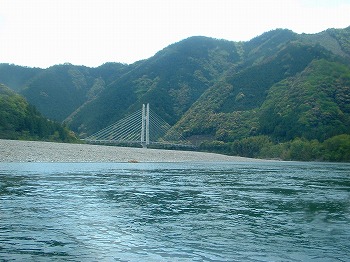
x=42, y=33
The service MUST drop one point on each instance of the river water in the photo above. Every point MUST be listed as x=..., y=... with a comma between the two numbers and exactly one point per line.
x=273, y=211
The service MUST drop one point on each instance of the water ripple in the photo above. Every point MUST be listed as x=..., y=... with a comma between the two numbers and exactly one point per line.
x=175, y=212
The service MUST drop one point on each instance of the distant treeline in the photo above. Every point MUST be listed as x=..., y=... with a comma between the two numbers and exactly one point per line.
x=335, y=149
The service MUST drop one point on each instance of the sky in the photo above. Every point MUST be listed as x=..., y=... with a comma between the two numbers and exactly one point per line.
x=42, y=33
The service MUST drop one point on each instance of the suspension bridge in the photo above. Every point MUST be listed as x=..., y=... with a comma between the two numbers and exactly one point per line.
x=144, y=127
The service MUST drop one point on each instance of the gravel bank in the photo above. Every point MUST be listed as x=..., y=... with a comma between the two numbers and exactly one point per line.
x=34, y=151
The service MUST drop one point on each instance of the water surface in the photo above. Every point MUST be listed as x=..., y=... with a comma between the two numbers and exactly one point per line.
x=274, y=211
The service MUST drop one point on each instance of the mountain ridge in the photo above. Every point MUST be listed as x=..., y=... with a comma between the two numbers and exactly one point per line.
x=213, y=91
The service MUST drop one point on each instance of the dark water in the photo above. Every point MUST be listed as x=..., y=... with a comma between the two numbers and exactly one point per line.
x=175, y=212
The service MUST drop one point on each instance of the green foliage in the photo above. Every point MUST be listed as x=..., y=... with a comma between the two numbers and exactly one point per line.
x=250, y=146
x=19, y=120
x=334, y=40
x=265, y=45
x=337, y=148
x=250, y=86
x=297, y=149
x=342, y=36
x=313, y=105
x=59, y=90
x=229, y=109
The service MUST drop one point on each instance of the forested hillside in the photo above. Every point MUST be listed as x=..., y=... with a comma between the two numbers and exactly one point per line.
x=16, y=77
x=19, y=120
x=171, y=82
x=277, y=95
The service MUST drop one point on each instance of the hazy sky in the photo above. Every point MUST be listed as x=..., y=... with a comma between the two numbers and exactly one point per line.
x=42, y=33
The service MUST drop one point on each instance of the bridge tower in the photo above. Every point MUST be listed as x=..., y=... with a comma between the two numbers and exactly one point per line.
x=145, y=126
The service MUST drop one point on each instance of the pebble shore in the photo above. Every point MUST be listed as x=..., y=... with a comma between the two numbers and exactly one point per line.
x=35, y=151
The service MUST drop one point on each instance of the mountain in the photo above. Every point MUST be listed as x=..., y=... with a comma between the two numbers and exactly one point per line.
x=241, y=98
x=60, y=90
x=15, y=76
x=19, y=120
x=171, y=82
x=314, y=104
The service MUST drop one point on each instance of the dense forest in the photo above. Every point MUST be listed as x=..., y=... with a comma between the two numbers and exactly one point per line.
x=280, y=95
x=19, y=120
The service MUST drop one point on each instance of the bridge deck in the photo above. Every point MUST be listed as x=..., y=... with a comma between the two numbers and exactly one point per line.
x=138, y=142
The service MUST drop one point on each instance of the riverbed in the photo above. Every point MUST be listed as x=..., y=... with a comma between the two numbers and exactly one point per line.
x=36, y=151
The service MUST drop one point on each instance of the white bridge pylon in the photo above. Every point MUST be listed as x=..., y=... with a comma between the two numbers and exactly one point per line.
x=142, y=127
x=145, y=126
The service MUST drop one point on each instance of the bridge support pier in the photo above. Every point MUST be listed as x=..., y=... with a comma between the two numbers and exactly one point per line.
x=145, y=126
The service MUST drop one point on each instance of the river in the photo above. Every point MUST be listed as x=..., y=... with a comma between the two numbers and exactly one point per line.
x=258, y=211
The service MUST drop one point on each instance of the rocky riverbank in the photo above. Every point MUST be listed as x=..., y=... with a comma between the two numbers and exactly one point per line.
x=35, y=151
